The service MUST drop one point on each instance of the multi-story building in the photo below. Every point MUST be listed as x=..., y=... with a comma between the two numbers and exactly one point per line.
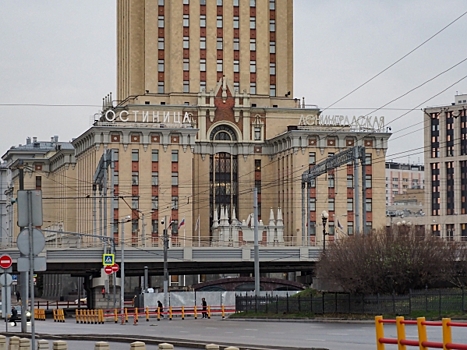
x=445, y=141
x=205, y=113
x=401, y=177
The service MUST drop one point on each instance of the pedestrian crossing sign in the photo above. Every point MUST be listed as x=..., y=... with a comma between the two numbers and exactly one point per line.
x=108, y=259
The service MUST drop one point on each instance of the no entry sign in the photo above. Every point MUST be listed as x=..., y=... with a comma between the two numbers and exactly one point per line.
x=115, y=267
x=108, y=270
x=5, y=261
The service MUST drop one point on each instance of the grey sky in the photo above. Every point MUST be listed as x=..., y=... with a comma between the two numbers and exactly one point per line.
x=63, y=53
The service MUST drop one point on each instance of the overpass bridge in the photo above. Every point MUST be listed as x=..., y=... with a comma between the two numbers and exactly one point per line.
x=181, y=260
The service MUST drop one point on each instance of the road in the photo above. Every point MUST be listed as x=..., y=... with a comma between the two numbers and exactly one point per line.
x=265, y=334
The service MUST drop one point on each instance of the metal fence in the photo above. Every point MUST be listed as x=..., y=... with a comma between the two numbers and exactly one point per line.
x=426, y=301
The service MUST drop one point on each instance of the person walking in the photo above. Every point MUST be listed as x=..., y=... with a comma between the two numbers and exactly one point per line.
x=13, y=316
x=205, y=306
x=18, y=296
x=160, y=307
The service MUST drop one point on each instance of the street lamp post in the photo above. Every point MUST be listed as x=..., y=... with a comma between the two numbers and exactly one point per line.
x=122, y=268
x=143, y=229
x=324, y=217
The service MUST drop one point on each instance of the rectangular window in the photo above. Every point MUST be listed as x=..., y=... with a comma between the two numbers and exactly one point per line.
x=202, y=86
x=186, y=86
x=219, y=66
x=311, y=158
x=160, y=43
x=253, y=88
x=134, y=178
x=202, y=65
x=155, y=178
x=174, y=156
x=349, y=204
x=134, y=155
x=155, y=203
x=257, y=133
x=155, y=155
x=368, y=204
x=115, y=227
x=160, y=22
x=236, y=86
x=272, y=47
x=331, y=204
x=202, y=43
x=236, y=67
x=349, y=181
x=186, y=64
x=160, y=65
x=115, y=178
x=186, y=42
x=161, y=2
x=38, y=182
x=252, y=44
x=367, y=158
x=219, y=2
x=272, y=25
x=252, y=66
x=202, y=21
x=252, y=22
x=368, y=181
x=134, y=227
x=155, y=226
x=202, y=2
x=236, y=22
x=235, y=2
x=160, y=87
x=186, y=20
x=134, y=202
x=272, y=4
x=272, y=90
x=331, y=228
x=219, y=21
x=252, y=3
x=219, y=43
x=186, y=2
x=331, y=182
x=174, y=179
x=350, y=228
x=116, y=201
x=174, y=202
x=236, y=44
x=313, y=204
x=272, y=68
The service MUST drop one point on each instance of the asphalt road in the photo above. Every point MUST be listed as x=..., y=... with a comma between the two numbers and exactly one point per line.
x=243, y=333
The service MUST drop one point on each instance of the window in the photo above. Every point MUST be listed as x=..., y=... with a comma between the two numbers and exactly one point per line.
x=219, y=66
x=38, y=182
x=202, y=21
x=367, y=158
x=253, y=88
x=155, y=203
x=252, y=66
x=116, y=201
x=236, y=44
x=272, y=4
x=236, y=67
x=252, y=22
x=202, y=65
x=368, y=181
x=272, y=47
x=174, y=202
x=235, y=2
x=186, y=42
x=350, y=230
x=115, y=227
x=202, y=2
x=134, y=155
x=252, y=3
x=236, y=85
x=349, y=181
x=202, y=43
x=155, y=226
x=174, y=156
x=331, y=228
x=160, y=43
x=186, y=64
x=134, y=225
x=174, y=179
x=186, y=20
x=134, y=178
x=272, y=25
x=349, y=204
x=331, y=182
x=160, y=87
x=252, y=44
x=219, y=43
x=160, y=65
x=311, y=158
x=186, y=86
x=134, y=203
x=219, y=21
x=272, y=90
x=161, y=2
x=368, y=204
x=115, y=178
x=219, y=2
x=331, y=204
x=160, y=22
x=155, y=178
x=257, y=164
x=186, y=2
x=312, y=204
x=272, y=68
x=155, y=155
x=236, y=22
x=257, y=133
x=202, y=86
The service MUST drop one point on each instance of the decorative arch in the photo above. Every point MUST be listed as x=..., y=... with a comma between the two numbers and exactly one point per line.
x=224, y=132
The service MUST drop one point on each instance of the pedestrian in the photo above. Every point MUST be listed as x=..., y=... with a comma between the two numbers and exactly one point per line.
x=18, y=296
x=103, y=292
x=160, y=306
x=205, y=306
x=13, y=316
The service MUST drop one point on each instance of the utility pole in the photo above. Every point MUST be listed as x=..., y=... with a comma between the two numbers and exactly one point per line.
x=256, y=246
x=122, y=268
x=23, y=276
x=166, y=267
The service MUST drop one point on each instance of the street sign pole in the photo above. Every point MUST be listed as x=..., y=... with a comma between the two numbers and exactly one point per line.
x=31, y=271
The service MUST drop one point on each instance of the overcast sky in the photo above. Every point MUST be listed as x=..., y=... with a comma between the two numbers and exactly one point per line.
x=64, y=53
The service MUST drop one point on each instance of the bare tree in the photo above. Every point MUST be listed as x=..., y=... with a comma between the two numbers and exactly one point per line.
x=386, y=262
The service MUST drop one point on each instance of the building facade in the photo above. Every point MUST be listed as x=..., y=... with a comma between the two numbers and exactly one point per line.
x=401, y=177
x=445, y=142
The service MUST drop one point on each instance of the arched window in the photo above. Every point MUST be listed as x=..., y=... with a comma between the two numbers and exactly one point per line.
x=223, y=133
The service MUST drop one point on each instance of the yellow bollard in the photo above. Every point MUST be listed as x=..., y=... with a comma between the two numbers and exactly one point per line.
x=223, y=311
x=170, y=313
x=54, y=312
x=400, y=329
x=183, y=312
x=158, y=313
x=195, y=314
x=447, y=334
x=379, y=332
x=209, y=311
x=147, y=314
x=115, y=315
x=422, y=337
x=126, y=315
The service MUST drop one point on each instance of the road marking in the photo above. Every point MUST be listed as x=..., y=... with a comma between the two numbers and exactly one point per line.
x=251, y=329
